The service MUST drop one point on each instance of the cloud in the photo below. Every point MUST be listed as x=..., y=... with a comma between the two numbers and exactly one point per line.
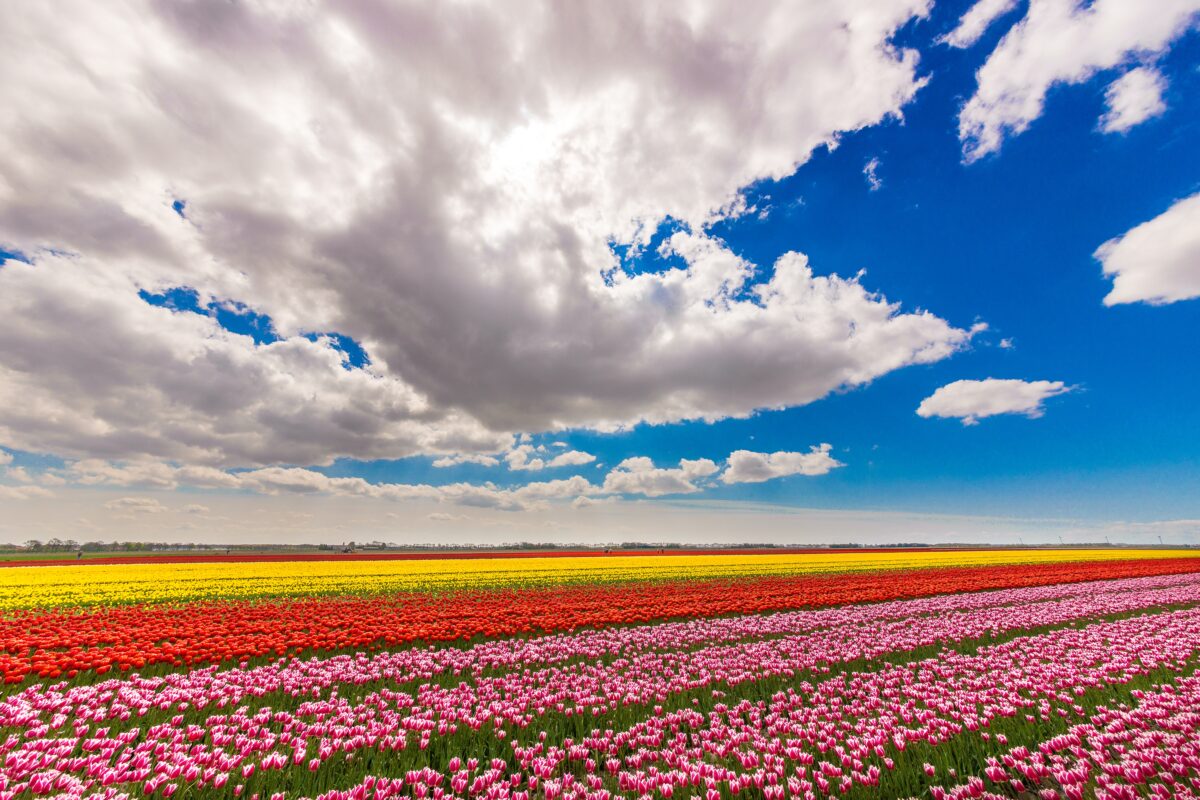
x=466, y=458
x=1158, y=261
x=571, y=458
x=5, y=458
x=874, y=182
x=521, y=458
x=148, y=474
x=23, y=492
x=136, y=505
x=1061, y=42
x=638, y=475
x=442, y=516
x=343, y=171
x=194, y=508
x=977, y=19
x=17, y=474
x=745, y=466
x=1133, y=98
x=971, y=401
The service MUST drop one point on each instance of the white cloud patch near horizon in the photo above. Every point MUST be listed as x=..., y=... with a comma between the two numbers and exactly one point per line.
x=745, y=466
x=136, y=505
x=1158, y=261
x=344, y=170
x=973, y=400
x=465, y=458
x=23, y=492
x=1058, y=42
x=523, y=458
x=638, y=475
x=633, y=476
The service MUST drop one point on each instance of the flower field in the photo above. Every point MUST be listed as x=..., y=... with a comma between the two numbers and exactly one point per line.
x=955, y=674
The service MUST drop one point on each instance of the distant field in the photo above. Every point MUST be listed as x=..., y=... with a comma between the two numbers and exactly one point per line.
x=25, y=555
x=268, y=555
x=213, y=577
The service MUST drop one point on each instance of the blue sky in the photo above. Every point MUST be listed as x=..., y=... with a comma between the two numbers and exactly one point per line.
x=1008, y=241
x=339, y=332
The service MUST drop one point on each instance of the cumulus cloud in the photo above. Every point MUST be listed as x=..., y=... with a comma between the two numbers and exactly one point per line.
x=571, y=458
x=23, y=492
x=466, y=458
x=1158, y=261
x=971, y=401
x=638, y=475
x=522, y=458
x=5, y=458
x=1061, y=42
x=746, y=466
x=18, y=474
x=345, y=168
x=1133, y=98
x=633, y=476
x=977, y=20
x=136, y=505
x=195, y=508
x=302, y=481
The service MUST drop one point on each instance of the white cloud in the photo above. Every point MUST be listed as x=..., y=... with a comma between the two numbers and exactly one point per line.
x=194, y=508
x=1157, y=261
x=746, y=466
x=301, y=481
x=971, y=401
x=521, y=458
x=5, y=458
x=343, y=172
x=136, y=505
x=466, y=458
x=18, y=474
x=1061, y=42
x=442, y=516
x=571, y=458
x=23, y=492
x=1133, y=98
x=870, y=172
x=638, y=475
x=977, y=19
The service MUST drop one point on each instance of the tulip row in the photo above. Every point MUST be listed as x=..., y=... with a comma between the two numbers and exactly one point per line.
x=1150, y=749
x=322, y=723
x=70, y=642
x=91, y=585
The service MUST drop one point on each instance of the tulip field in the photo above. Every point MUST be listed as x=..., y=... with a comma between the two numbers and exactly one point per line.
x=1032, y=673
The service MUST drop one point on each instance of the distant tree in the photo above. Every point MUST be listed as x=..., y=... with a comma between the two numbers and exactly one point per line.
x=34, y=544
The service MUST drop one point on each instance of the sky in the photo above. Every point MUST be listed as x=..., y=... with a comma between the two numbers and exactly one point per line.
x=865, y=271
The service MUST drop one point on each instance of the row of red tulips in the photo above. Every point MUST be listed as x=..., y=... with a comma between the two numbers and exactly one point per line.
x=55, y=643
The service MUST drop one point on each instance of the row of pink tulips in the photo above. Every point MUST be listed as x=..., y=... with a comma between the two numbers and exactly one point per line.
x=1121, y=753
